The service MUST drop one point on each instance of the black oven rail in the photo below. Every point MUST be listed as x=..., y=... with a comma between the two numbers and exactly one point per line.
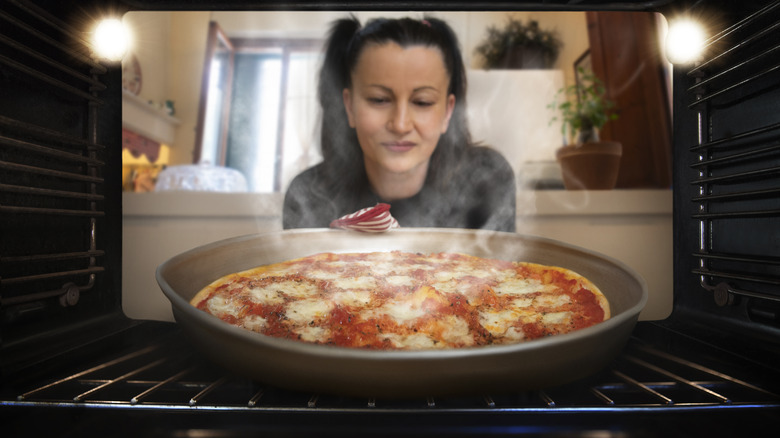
x=645, y=387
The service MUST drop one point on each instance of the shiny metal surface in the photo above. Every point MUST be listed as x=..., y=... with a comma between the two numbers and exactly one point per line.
x=531, y=365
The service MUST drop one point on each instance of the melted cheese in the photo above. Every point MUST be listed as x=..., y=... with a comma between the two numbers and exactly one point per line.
x=456, y=330
x=416, y=341
x=497, y=323
x=352, y=298
x=513, y=334
x=552, y=300
x=270, y=294
x=253, y=322
x=365, y=282
x=224, y=305
x=399, y=280
x=305, y=311
x=275, y=293
x=425, y=293
x=313, y=333
x=381, y=268
x=447, y=286
x=556, y=318
x=519, y=286
x=445, y=276
x=522, y=302
x=321, y=274
x=402, y=311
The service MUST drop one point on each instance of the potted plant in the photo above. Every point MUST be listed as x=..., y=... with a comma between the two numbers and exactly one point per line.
x=519, y=45
x=586, y=161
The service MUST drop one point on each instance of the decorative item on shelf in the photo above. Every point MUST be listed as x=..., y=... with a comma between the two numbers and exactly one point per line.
x=201, y=178
x=169, y=109
x=139, y=145
x=520, y=46
x=140, y=178
x=588, y=163
x=131, y=74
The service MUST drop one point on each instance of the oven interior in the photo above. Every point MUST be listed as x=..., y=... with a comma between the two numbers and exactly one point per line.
x=69, y=352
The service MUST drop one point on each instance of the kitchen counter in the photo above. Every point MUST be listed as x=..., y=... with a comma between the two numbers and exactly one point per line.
x=269, y=205
x=633, y=226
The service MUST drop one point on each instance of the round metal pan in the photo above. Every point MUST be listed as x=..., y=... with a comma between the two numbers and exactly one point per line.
x=296, y=365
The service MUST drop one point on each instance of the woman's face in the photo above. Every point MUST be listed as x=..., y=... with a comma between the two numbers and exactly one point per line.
x=399, y=106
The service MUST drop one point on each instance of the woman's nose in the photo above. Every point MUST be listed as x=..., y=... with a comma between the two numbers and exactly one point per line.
x=400, y=120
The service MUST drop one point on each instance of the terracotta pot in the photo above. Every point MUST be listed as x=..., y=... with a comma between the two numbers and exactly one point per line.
x=590, y=166
x=522, y=57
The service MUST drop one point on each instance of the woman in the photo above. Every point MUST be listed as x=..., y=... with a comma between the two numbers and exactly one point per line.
x=394, y=130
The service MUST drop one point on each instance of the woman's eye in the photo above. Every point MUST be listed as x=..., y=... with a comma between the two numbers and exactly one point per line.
x=423, y=102
x=378, y=100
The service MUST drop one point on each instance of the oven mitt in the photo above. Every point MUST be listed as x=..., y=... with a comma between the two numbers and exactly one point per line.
x=376, y=219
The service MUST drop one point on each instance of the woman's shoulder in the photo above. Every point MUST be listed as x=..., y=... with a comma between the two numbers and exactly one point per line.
x=304, y=186
x=304, y=202
x=481, y=157
x=309, y=175
x=486, y=152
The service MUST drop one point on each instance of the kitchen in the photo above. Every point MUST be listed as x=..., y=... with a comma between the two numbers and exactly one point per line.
x=631, y=224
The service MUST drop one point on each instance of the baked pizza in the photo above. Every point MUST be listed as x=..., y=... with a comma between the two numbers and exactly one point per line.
x=402, y=300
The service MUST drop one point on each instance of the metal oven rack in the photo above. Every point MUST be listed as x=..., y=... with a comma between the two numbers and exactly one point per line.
x=52, y=186
x=151, y=376
x=166, y=377
x=736, y=161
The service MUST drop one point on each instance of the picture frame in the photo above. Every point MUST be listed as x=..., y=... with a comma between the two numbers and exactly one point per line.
x=583, y=62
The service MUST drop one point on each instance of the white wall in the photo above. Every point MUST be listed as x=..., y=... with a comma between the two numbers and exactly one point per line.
x=508, y=111
x=150, y=34
x=470, y=27
x=189, y=32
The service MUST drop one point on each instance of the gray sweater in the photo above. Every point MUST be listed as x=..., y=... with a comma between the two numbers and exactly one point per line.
x=480, y=194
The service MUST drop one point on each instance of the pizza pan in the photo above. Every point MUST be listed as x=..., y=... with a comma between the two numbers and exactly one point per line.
x=535, y=364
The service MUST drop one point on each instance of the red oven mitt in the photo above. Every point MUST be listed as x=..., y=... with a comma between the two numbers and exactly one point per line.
x=374, y=219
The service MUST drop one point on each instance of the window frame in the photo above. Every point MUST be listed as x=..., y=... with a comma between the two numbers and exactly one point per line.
x=286, y=47
x=215, y=36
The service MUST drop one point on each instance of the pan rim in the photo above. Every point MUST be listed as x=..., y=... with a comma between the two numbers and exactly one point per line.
x=329, y=351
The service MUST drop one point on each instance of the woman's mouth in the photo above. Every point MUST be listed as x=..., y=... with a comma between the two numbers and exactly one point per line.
x=399, y=146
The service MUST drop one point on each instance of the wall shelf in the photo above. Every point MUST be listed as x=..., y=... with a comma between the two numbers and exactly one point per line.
x=144, y=119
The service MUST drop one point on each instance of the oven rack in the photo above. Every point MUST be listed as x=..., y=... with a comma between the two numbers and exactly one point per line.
x=169, y=376
x=52, y=166
x=736, y=163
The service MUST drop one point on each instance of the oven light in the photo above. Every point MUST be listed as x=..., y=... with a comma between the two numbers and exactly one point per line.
x=684, y=41
x=111, y=39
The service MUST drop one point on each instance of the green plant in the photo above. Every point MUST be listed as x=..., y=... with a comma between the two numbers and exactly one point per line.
x=583, y=108
x=499, y=42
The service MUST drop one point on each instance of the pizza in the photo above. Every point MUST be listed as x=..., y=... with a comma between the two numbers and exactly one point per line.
x=405, y=301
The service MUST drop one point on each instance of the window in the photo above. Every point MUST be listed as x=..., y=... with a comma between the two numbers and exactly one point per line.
x=270, y=115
